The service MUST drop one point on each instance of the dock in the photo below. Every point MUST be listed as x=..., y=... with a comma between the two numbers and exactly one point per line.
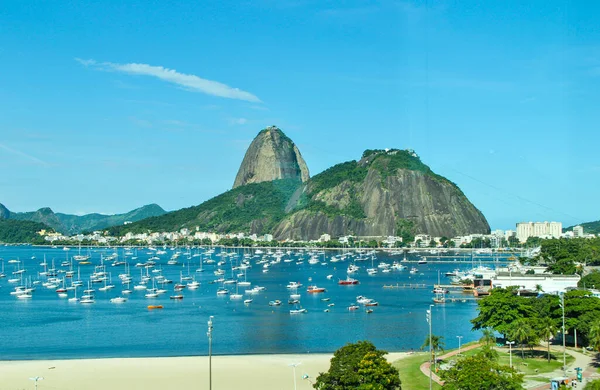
x=410, y=286
x=467, y=287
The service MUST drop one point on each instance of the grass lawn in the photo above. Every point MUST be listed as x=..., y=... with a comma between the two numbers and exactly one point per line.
x=411, y=375
x=531, y=364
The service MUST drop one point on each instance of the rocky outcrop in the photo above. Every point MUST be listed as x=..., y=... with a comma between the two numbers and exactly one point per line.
x=383, y=193
x=271, y=156
x=4, y=212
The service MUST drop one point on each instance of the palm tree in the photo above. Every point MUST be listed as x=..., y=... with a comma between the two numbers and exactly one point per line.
x=437, y=344
x=594, y=336
x=488, y=337
x=547, y=331
x=539, y=288
x=521, y=333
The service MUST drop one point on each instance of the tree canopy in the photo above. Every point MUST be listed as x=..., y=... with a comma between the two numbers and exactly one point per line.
x=480, y=373
x=359, y=366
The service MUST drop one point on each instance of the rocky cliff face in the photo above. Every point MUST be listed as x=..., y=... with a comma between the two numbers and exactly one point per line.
x=271, y=156
x=4, y=212
x=380, y=195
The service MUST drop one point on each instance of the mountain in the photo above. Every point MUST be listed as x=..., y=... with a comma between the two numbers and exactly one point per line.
x=4, y=212
x=386, y=192
x=73, y=224
x=271, y=156
x=588, y=227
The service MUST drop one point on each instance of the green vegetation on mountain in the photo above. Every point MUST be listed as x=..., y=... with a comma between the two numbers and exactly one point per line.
x=257, y=207
x=588, y=227
x=73, y=224
x=348, y=171
x=14, y=231
x=387, y=162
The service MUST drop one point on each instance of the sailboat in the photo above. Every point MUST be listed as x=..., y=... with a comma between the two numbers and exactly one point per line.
x=244, y=283
x=372, y=270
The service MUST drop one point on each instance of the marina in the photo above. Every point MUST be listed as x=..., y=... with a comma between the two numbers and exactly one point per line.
x=146, y=301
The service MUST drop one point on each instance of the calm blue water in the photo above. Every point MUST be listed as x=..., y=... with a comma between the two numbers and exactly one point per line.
x=48, y=327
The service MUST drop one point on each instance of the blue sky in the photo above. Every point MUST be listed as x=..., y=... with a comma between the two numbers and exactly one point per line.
x=107, y=106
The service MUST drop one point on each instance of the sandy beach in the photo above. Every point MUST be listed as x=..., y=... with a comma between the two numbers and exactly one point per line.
x=263, y=372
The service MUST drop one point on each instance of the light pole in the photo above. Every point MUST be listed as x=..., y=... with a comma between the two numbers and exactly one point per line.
x=209, y=334
x=510, y=343
x=294, y=365
x=36, y=379
x=459, y=338
x=562, y=305
x=430, y=320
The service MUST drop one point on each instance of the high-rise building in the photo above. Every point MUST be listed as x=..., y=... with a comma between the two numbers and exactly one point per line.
x=578, y=231
x=538, y=229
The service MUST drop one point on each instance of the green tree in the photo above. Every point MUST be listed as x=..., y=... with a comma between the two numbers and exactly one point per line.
x=359, y=366
x=546, y=330
x=590, y=280
x=500, y=310
x=594, y=335
x=523, y=333
x=437, y=344
x=593, y=385
x=488, y=337
x=377, y=373
x=479, y=373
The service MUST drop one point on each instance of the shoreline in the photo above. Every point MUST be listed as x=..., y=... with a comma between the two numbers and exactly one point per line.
x=270, y=371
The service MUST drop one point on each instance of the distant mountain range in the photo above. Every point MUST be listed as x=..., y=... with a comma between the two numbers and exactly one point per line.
x=387, y=192
x=73, y=224
x=588, y=227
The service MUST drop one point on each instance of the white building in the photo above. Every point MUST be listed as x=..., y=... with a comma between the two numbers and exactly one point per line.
x=325, y=237
x=538, y=229
x=578, y=231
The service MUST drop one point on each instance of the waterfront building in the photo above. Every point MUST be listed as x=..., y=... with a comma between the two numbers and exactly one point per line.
x=324, y=238
x=578, y=231
x=538, y=229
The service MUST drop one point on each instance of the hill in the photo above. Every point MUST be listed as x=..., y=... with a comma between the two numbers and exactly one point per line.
x=14, y=231
x=256, y=207
x=588, y=227
x=73, y=224
x=386, y=192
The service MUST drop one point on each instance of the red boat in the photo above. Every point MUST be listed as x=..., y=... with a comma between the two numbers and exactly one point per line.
x=179, y=287
x=348, y=281
x=315, y=289
x=61, y=290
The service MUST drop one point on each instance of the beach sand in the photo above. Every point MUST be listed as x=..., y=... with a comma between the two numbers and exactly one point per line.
x=263, y=372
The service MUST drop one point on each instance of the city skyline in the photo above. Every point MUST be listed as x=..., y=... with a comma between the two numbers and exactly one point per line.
x=108, y=108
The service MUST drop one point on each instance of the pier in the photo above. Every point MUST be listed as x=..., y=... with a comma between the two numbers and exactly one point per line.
x=404, y=285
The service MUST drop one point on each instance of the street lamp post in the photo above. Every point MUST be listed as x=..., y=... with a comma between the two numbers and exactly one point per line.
x=209, y=334
x=36, y=379
x=430, y=320
x=562, y=305
x=510, y=343
x=294, y=365
x=459, y=338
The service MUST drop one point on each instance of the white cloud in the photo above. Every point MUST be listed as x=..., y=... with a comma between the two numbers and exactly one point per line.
x=23, y=154
x=237, y=121
x=188, y=81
